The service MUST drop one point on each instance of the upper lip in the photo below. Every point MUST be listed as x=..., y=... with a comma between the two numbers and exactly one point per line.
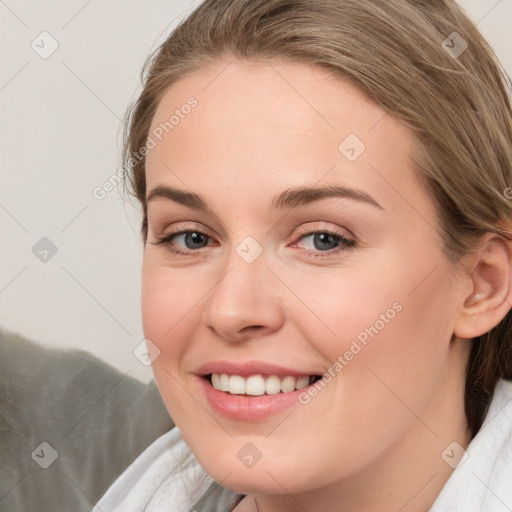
x=246, y=369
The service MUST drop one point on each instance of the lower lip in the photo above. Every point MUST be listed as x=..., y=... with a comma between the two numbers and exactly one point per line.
x=246, y=408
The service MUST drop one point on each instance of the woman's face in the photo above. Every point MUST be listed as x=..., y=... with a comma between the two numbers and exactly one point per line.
x=303, y=245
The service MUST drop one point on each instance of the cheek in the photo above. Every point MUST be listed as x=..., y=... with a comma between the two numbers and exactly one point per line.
x=347, y=306
x=169, y=317
x=395, y=324
x=168, y=297
x=389, y=340
x=405, y=350
x=170, y=303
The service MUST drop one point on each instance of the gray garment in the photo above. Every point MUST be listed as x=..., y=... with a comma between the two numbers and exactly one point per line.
x=94, y=418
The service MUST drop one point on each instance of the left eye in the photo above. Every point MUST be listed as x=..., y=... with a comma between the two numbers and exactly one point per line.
x=321, y=241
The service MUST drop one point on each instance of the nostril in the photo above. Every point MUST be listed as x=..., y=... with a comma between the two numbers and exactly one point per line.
x=251, y=327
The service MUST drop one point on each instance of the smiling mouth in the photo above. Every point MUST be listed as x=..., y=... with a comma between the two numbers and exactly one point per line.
x=259, y=385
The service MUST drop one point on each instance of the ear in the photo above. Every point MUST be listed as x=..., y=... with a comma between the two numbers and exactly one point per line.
x=491, y=295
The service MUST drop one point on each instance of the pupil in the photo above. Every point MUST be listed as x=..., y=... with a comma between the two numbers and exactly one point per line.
x=194, y=240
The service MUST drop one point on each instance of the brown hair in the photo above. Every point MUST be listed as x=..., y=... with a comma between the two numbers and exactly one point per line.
x=393, y=51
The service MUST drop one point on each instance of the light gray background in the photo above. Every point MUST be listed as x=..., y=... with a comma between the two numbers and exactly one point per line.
x=61, y=132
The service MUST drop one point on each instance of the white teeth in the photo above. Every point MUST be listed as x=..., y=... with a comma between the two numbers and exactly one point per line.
x=257, y=385
x=236, y=385
x=272, y=385
x=302, y=382
x=288, y=384
x=224, y=382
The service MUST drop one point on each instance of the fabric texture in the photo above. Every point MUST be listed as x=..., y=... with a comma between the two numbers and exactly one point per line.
x=95, y=418
x=482, y=482
x=166, y=477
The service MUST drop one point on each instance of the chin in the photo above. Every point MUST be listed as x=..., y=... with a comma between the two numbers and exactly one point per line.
x=251, y=481
x=271, y=474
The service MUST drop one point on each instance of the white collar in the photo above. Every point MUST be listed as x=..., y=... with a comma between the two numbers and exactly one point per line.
x=166, y=476
x=482, y=482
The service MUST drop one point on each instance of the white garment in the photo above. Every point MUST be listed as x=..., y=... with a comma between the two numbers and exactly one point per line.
x=483, y=482
x=167, y=477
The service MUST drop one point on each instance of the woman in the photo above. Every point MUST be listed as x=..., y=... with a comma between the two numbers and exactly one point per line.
x=326, y=278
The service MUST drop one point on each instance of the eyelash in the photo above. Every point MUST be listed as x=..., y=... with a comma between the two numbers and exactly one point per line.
x=345, y=243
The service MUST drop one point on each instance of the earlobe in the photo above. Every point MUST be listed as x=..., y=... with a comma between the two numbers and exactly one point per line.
x=491, y=295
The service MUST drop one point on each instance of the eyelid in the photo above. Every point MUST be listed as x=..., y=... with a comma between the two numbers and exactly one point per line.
x=346, y=243
x=304, y=229
x=180, y=227
x=319, y=227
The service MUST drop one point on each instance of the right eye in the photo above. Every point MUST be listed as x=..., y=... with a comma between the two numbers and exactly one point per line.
x=188, y=241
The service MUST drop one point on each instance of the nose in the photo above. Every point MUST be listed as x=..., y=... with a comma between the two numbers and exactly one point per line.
x=244, y=302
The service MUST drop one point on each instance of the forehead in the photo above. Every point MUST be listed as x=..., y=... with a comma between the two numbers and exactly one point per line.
x=304, y=99
x=288, y=123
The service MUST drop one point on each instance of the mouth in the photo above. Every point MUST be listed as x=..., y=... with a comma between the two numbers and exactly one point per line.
x=259, y=385
x=252, y=391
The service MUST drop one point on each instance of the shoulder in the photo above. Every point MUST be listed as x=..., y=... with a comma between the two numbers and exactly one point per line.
x=91, y=418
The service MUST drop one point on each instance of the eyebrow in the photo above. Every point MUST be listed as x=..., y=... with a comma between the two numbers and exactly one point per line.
x=290, y=198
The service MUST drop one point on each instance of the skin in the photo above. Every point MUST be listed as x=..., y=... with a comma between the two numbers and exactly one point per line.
x=372, y=439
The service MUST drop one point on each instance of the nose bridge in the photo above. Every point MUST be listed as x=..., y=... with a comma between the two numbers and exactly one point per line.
x=243, y=296
x=245, y=267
